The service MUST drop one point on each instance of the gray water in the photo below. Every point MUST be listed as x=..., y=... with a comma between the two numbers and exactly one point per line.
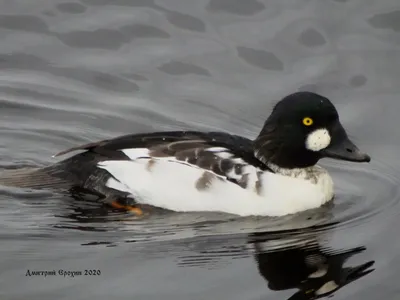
x=74, y=72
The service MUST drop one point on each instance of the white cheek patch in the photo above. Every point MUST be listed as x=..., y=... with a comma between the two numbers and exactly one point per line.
x=318, y=139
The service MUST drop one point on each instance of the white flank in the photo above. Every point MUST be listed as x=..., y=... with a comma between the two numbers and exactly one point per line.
x=135, y=153
x=224, y=154
x=216, y=149
x=318, y=139
x=170, y=184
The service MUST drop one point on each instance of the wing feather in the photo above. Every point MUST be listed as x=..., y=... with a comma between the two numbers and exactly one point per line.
x=218, y=153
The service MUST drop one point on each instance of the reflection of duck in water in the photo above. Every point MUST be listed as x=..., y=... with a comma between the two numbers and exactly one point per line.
x=286, y=260
x=316, y=271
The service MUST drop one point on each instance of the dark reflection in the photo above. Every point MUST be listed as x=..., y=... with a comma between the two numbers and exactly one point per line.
x=143, y=31
x=22, y=61
x=110, y=39
x=132, y=3
x=136, y=77
x=84, y=212
x=311, y=38
x=358, y=80
x=101, y=80
x=71, y=7
x=23, y=23
x=237, y=7
x=98, y=243
x=98, y=79
x=389, y=20
x=314, y=270
x=181, y=68
x=49, y=13
x=177, y=19
x=185, y=21
x=85, y=208
x=260, y=58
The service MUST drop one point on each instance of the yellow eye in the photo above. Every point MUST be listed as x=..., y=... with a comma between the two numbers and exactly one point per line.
x=308, y=121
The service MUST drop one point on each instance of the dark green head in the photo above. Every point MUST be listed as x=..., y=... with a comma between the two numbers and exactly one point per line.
x=303, y=128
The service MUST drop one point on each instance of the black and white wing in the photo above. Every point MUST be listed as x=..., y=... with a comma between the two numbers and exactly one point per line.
x=218, y=154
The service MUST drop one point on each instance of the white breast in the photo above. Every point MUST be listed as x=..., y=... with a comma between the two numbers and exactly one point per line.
x=179, y=186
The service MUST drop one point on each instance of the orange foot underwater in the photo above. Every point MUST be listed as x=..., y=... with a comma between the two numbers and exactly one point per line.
x=133, y=209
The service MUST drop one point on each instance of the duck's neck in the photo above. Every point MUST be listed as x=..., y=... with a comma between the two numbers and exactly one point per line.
x=284, y=158
x=270, y=147
x=312, y=173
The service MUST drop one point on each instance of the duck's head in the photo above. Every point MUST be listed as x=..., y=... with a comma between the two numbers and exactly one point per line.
x=303, y=128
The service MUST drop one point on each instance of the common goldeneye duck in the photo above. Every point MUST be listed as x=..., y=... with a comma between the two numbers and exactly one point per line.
x=274, y=175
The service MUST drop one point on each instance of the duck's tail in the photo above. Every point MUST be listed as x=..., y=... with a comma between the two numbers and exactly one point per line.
x=78, y=171
x=35, y=178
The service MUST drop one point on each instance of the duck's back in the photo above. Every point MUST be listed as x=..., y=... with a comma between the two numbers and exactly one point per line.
x=216, y=152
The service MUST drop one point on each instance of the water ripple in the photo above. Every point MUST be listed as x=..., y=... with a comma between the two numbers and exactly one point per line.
x=72, y=72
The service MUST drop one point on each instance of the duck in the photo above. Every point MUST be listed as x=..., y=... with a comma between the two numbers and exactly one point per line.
x=275, y=174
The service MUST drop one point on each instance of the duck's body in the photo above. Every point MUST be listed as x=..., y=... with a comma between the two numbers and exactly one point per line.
x=202, y=171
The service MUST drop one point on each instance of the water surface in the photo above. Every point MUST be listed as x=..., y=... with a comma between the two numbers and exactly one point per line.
x=74, y=72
